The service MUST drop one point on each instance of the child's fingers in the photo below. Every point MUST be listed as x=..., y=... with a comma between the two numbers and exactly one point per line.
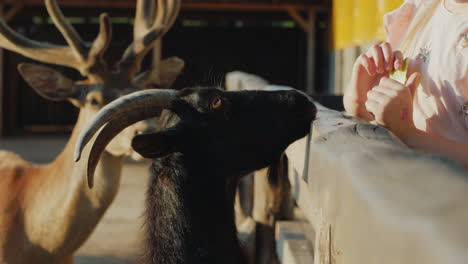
x=365, y=62
x=388, y=55
x=377, y=96
x=386, y=91
x=373, y=107
x=377, y=54
x=368, y=115
x=398, y=60
x=391, y=84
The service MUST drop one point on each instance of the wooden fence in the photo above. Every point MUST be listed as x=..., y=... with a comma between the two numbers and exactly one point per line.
x=366, y=198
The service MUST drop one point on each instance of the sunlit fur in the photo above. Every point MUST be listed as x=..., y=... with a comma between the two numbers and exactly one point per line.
x=47, y=211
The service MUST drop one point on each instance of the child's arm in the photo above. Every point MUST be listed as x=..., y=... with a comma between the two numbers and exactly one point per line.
x=391, y=102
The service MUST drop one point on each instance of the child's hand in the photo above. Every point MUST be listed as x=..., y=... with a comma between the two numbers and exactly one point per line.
x=391, y=103
x=368, y=69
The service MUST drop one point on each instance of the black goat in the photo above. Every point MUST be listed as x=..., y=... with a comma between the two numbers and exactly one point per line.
x=209, y=140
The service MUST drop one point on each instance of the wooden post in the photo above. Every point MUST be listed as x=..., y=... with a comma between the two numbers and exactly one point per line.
x=2, y=84
x=309, y=28
x=311, y=51
x=337, y=73
x=348, y=58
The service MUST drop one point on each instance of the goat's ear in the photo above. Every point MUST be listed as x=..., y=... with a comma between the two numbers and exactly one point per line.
x=47, y=82
x=156, y=145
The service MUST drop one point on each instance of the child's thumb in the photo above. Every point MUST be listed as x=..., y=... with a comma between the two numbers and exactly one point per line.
x=413, y=82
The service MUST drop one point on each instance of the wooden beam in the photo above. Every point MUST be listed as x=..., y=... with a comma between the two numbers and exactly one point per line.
x=308, y=25
x=294, y=242
x=311, y=43
x=17, y=7
x=185, y=5
x=248, y=7
x=296, y=16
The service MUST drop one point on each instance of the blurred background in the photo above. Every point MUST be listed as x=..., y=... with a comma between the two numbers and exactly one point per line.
x=307, y=44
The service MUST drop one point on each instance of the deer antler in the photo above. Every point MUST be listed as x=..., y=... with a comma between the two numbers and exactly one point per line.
x=147, y=29
x=87, y=60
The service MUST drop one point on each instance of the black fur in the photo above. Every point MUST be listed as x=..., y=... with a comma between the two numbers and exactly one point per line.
x=199, y=157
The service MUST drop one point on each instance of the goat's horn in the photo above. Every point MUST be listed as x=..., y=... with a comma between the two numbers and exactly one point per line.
x=110, y=130
x=138, y=102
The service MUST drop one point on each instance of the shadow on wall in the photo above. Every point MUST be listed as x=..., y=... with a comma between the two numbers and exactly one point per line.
x=101, y=260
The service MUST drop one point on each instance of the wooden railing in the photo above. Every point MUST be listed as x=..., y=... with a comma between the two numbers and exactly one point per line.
x=367, y=198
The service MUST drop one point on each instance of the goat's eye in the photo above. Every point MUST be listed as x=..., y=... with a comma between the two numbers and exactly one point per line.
x=216, y=103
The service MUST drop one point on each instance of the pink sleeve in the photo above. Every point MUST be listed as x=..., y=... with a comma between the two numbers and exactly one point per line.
x=397, y=21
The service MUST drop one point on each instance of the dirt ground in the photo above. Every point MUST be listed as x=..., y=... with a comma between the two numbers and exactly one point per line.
x=117, y=238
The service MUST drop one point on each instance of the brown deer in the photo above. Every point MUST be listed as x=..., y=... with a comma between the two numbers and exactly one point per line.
x=47, y=211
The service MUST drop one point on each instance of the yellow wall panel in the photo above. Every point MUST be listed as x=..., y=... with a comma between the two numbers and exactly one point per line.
x=357, y=22
x=385, y=6
x=366, y=22
x=343, y=23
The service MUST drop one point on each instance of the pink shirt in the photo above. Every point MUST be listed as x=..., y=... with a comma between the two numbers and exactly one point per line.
x=440, y=53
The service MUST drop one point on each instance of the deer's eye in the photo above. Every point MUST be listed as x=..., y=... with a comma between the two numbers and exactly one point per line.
x=216, y=103
x=94, y=102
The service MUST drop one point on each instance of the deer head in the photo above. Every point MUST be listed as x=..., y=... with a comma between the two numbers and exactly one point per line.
x=104, y=83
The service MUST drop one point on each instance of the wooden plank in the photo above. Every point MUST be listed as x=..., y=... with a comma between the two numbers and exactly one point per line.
x=372, y=200
x=202, y=5
x=251, y=7
x=294, y=242
x=296, y=16
x=271, y=202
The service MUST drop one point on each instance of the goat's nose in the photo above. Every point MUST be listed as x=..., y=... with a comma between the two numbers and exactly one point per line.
x=310, y=110
x=302, y=103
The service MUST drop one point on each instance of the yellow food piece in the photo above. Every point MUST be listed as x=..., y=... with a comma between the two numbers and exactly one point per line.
x=400, y=75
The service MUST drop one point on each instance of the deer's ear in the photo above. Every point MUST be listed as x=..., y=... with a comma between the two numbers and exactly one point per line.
x=164, y=76
x=157, y=145
x=170, y=69
x=47, y=82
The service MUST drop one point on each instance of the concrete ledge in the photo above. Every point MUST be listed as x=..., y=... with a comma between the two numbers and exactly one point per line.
x=372, y=200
